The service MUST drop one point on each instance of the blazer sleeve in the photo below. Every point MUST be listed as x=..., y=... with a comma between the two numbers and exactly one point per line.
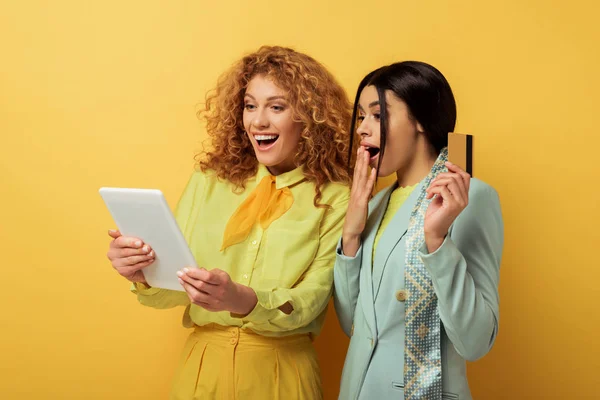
x=346, y=284
x=465, y=274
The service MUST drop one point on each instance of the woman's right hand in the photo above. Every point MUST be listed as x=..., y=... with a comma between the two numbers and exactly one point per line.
x=358, y=207
x=128, y=255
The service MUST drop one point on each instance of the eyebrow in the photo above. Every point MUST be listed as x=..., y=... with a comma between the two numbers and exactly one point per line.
x=371, y=104
x=268, y=99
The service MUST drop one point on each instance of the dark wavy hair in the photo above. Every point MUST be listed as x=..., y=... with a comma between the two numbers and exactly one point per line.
x=425, y=91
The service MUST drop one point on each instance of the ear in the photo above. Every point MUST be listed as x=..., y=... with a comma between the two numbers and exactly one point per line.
x=420, y=128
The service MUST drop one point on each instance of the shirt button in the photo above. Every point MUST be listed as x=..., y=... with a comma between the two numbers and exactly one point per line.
x=245, y=276
x=254, y=242
x=401, y=295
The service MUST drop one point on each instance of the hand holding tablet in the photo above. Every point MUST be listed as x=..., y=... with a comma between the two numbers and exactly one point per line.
x=145, y=215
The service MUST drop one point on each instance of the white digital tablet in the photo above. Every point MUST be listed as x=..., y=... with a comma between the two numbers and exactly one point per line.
x=145, y=214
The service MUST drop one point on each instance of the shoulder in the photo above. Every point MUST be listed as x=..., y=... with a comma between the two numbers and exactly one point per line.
x=483, y=208
x=199, y=176
x=209, y=180
x=335, y=194
x=481, y=192
x=378, y=198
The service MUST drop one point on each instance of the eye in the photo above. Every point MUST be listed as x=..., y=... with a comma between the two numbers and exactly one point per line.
x=249, y=107
x=376, y=116
x=360, y=119
x=278, y=108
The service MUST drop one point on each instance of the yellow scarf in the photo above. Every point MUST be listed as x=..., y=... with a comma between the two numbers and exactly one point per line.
x=265, y=204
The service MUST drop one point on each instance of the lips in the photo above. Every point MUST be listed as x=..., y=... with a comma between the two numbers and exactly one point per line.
x=372, y=149
x=265, y=140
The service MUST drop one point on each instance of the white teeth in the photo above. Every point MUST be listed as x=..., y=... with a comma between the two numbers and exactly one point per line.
x=265, y=137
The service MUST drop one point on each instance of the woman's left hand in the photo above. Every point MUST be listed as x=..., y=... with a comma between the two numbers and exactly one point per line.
x=451, y=191
x=215, y=291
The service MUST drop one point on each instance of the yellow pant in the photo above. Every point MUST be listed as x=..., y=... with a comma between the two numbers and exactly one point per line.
x=228, y=363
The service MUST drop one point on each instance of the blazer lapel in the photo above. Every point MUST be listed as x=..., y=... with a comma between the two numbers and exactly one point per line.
x=393, y=234
x=377, y=208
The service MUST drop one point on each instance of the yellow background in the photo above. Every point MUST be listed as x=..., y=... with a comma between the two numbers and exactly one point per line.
x=103, y=93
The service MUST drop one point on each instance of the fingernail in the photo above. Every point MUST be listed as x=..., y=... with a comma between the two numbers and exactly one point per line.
x=111, y=231
x=145, y=249
x=138, y=243
x=151, y=254
x=179, y=273
x=186, y=270
x=180, y=281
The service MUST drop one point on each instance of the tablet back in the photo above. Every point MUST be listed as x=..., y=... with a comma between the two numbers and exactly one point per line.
x=145, y=214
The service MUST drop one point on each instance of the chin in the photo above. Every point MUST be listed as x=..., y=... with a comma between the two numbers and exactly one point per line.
x=384, y=171
x=267, y=161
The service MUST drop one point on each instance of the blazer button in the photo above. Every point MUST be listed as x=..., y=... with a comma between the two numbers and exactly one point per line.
x=401, y=295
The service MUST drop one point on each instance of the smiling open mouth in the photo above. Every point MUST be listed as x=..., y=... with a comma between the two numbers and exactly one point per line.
x=265, y=141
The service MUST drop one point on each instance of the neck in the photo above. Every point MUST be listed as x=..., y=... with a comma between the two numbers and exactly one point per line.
x=418, y=167
x=282, y=168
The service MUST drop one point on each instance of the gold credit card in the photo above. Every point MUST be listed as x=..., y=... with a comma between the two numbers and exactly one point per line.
x=460, y=151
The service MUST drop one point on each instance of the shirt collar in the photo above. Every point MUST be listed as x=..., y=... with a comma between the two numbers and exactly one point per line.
x=284, y=180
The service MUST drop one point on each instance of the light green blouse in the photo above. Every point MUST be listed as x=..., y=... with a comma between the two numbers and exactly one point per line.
x=292, y=261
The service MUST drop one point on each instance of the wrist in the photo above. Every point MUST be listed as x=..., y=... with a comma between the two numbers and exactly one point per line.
x=247, y=300
x=350, y=238
x=350, y=245
x=433, y=242
x=141, y=282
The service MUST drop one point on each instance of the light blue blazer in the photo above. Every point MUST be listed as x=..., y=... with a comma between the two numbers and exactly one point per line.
x=465, y=274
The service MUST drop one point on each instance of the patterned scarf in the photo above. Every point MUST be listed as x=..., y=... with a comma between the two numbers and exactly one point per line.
x=422, y=353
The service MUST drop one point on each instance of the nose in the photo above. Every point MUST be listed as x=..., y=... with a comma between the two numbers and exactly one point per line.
x=260, y=121
x=364, y=129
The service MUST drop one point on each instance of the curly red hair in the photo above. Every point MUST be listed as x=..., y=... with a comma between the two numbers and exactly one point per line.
x=317, y=99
